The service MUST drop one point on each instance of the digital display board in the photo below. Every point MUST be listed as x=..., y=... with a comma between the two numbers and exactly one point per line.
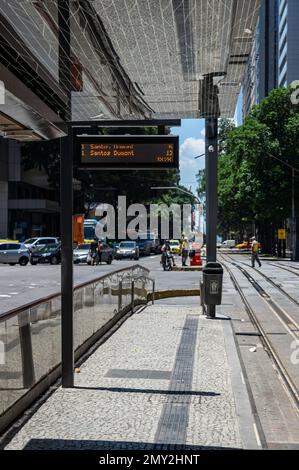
x=127, y=152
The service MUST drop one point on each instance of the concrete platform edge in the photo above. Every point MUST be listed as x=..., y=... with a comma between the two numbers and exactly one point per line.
x=247, y=426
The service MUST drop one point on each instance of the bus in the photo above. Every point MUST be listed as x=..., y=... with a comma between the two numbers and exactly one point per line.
x=89, y=229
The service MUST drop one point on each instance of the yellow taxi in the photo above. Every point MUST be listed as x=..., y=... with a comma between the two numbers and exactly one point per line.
x=245, y=246
x=175, y=247
x=6, y=240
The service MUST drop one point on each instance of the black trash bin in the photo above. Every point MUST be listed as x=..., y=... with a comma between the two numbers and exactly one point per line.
x=212, y=283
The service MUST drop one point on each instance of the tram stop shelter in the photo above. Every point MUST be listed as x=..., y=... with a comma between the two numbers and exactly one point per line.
x=120, y=62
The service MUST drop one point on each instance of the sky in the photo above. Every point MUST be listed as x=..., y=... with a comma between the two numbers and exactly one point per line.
x=192, y=143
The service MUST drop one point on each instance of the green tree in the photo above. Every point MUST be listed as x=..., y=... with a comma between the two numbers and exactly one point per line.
x=254, y=187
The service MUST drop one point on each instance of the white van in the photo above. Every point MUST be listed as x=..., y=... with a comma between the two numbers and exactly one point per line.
x=228, y=244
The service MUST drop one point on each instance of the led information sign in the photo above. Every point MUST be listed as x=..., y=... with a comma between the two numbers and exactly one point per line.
x=127, y=152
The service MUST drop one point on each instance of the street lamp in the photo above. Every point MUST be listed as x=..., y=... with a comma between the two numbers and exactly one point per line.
x=293, y=226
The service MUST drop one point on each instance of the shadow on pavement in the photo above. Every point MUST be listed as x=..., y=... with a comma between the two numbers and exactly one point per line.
x=152, y=391
x=72, y=444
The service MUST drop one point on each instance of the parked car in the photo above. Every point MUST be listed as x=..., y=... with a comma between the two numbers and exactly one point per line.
x=47, y=254
x=228, y=244
x=175, y=247
x=36, y=243
x=152, y=239
x=144, y=246
x=127, y=250
x=107, y=254
x=81, y=253
x=14, y=253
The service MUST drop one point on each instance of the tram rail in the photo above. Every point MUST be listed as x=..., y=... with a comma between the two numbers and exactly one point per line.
x=266, y=341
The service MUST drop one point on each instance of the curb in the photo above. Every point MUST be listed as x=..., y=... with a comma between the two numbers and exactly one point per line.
x=165, y=294
x=187, y=268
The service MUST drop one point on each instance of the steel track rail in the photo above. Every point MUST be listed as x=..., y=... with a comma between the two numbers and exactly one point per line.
x=277, y=286
x=281, y=370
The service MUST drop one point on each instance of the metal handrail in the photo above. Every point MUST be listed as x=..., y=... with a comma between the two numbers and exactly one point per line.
x=15, y=311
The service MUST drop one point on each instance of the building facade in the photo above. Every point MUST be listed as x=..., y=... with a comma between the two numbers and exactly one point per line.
x=273, y=61
x=28, y=206
x=288, y=63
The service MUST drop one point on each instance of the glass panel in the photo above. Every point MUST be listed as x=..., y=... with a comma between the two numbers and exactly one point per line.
x=79, y=320
x=40, y=318
x=30, y=342
x=55, y=324
x=11, y=372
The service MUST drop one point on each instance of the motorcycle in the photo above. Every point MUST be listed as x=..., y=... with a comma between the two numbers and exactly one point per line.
x=166, y=261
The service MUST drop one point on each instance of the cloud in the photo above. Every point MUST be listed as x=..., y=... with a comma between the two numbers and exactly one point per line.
x=189, y=149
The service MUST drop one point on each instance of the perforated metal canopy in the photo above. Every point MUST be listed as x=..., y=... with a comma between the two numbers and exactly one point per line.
x=133, y=59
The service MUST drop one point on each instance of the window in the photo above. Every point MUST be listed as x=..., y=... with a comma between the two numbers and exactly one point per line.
x=13, y=246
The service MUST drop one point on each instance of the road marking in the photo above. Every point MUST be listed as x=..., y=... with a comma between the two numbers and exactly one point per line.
x=13, y=293
x=5, y=295
x=257, y=435
x=242, y=377
x=31, y=287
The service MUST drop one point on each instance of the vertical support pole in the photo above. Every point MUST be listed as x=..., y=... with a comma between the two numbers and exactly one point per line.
x=67, y=308
x=66, y=201
x=211, y=193
x=120, y=288
x=132, y=295
x=294, y=222
x=153, y=293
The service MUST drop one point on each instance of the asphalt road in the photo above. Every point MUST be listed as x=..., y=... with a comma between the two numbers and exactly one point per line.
x=20, y=285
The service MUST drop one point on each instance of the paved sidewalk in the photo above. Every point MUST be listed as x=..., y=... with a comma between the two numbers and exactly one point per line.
x=168, y=378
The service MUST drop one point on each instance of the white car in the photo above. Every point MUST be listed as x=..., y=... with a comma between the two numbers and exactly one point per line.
x=34, y=244
x=228, y=244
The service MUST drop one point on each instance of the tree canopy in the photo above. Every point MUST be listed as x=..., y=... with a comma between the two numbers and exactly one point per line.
x=255, y=190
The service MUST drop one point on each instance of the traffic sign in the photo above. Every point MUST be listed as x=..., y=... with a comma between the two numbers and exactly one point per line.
x=123, y=152
x=282, y=234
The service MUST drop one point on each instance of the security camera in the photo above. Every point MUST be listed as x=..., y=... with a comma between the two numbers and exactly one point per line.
x=211, y=149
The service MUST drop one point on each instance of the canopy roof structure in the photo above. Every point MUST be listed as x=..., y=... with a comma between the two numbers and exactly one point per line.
x=145, y=59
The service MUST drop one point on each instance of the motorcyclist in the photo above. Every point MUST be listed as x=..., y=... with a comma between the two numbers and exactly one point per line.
x=166, y=252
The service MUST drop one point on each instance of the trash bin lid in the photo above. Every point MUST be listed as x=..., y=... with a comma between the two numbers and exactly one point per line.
x=212, y=268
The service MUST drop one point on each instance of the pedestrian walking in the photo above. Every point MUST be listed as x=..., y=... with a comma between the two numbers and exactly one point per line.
x=100, y=251
x=255, y=252
x=185, y=250
x=93, y=251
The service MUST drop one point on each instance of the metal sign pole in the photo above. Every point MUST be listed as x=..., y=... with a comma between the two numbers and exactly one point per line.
x=66, y=202
x=67, y=327
x=294, y=222
x=211, y=194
